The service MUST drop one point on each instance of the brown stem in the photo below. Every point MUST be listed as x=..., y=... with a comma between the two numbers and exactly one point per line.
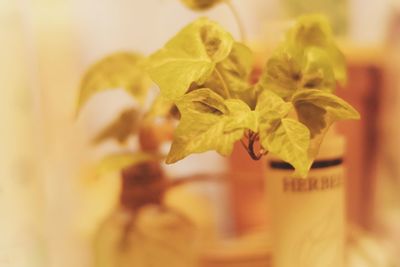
x=253, y=138
x=243, y=144
x=251, y=151
x=196, y=178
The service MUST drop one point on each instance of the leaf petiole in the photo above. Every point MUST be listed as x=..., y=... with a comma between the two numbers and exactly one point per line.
x=224, y=85
x=237, y=19
x=253, y=138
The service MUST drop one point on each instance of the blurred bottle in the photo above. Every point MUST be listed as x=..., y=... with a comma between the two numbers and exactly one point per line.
x=387, y=202
x=142, y=231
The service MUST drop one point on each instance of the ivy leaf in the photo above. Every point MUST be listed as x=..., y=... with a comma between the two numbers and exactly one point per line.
x=318, y=110
x=271, y=107
x=314, y=30
x=313, y=106
x=190, y=57
x=198, y=5
x=117, y=162
x=293, y=68
x=208, y=122
x=311, y=29
x=283, y=137
x=122, y=128
x=282, y=72
x=313, y=116
x=120, y=70
x=236, y=68
x=242, y=117
x=234, y=72
x=289, y=140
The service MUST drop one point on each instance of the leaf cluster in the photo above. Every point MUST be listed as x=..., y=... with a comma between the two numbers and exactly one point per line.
x=205, y=74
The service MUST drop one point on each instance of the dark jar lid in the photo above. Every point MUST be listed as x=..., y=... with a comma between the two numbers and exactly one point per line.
x=317, y=164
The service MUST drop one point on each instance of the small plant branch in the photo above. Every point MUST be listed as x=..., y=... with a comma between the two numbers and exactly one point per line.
x=224, y=85
x=252, y=139
x=127, y=228
x=251, y=151
x=243, y=144
x=196, y=178
x=237, y=19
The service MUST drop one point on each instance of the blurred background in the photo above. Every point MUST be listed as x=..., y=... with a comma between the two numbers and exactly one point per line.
x=50, y=206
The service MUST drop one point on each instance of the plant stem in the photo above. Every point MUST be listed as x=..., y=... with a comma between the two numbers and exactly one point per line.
x=224, y=85
x=197, y=178
x=244, y=144
x=237, y=19
x=252, y=154
x=253, y=137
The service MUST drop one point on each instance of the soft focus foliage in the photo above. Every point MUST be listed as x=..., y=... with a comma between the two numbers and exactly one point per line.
x=121, y=70
x=200, y=4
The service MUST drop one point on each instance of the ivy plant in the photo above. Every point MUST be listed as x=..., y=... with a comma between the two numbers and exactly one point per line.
x=203, y=74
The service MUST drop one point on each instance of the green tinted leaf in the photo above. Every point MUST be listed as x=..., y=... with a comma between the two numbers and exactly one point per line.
x=213, y=83
x=313, y=116
x=339, y=64
x=292, y=68
x=318, y=110
x=242, y=117
x=200, y=4
x=208, y=122
x=337, y=108
x=190, y=57
x=120, y=70
x=271, y=107
x=283, y=71
x=290, y=141
x=311, y=30
x=314, y=30
x=203, y=101
x=236, y=68
x=283, y=137
x=120, y=129
x=317, y=71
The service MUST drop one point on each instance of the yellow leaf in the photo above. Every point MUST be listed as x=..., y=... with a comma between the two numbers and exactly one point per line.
x=334, y=105
x=189, y=57
x=236, y=68
x=271, y=107
x=285, y=138
x=232, y=79
x=292, y=68
x=200, y=4
x=121, y=70
x=117, y=162
x=208, y=122
x=313, y=116
x=318, y=110
x=311, y=29
x=289, y=140
x=120, y=129
x=282, y=73
x=314, y=30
